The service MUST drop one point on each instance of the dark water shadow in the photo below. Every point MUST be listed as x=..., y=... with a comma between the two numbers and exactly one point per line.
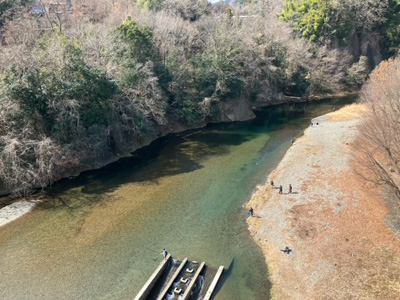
x=177, y=154
x=214, y=140
x=224, y=277
x=167, y=156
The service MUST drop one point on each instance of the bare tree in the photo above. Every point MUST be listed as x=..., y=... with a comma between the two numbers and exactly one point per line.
x=380, y=133
x=146, y=94
x=326, y=69
x=28, y=163
x=187, y=9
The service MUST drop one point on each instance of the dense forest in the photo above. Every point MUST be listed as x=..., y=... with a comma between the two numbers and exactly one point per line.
x=85, y=82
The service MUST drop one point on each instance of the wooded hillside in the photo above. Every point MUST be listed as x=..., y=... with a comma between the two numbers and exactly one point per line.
x=83, y=84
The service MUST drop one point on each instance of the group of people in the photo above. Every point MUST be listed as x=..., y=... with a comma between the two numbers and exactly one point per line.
x=285, y=250
x=281, y=188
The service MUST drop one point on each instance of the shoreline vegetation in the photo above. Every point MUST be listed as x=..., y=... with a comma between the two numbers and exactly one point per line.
x=175, y=128
x=333, y=221
x=12, y=208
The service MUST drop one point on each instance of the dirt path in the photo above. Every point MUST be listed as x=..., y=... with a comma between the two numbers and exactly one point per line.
x=333, y=220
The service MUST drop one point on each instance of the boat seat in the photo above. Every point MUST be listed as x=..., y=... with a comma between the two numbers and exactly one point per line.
x=184, y=280
x=177, y=291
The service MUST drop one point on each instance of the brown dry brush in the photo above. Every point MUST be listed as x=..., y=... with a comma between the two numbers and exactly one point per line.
x=380, y=133
x=27, y=160
x=237, y=51
x=30, y=158
x=28, y=163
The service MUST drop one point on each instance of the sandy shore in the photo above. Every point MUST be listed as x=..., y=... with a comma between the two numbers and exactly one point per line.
x=13, y=211
x=333, y=220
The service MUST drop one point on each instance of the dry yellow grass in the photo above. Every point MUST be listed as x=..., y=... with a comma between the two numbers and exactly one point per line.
x=349, y=112
x=334, y=221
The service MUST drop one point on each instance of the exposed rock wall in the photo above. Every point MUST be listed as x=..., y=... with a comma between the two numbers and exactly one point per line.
x=366, y=44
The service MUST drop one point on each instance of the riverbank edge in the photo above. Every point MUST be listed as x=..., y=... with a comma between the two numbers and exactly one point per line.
x=254, y=227
x=229, y=116
x=237, y=110
x=299, y=271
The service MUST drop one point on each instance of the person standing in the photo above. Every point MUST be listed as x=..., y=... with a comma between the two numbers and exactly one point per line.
x=251, y=211
x=290, y=188
x=165, y=254
x=272, y=183
x=280, y=190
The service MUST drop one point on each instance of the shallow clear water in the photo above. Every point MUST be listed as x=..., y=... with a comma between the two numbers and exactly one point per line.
x=100, y=236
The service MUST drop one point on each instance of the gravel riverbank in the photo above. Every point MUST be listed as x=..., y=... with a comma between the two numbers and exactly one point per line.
x=333, y=220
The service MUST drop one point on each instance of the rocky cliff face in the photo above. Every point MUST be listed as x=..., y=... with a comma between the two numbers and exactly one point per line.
x=366, y=44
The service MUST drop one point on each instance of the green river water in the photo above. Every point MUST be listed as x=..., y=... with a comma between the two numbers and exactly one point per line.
x=100, y=236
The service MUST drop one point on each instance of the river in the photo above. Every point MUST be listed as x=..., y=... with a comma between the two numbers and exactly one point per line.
x=100, y=236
